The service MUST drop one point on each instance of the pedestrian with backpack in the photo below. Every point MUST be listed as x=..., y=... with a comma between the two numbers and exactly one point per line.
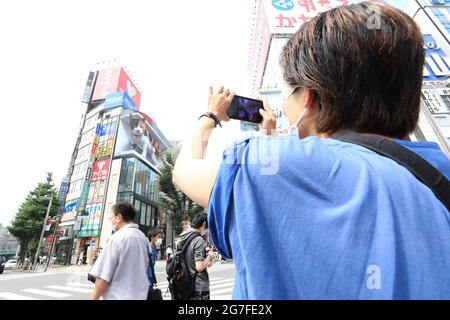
x=187, y=269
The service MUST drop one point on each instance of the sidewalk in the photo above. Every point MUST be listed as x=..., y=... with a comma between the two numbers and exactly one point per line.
x=66, y=269
x=57, y=269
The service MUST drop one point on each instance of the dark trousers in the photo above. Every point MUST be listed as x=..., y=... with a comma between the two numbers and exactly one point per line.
x=201, y=295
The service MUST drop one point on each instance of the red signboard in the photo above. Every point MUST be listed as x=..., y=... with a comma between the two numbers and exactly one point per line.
x=49, y=239
x=126, y=85
x=115, y=80
x=101, y=168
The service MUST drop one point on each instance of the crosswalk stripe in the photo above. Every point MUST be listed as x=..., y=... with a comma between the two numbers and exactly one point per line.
x=224, y=285
x=65, y=288
x=214, y=282
x=218, y=292
x=46, y=293
x=13, y=296
x=81, y=285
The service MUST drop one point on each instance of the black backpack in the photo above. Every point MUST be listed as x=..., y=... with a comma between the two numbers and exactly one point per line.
x=181, y=282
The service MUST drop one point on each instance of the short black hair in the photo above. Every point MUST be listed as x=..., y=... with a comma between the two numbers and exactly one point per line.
x=199, y=219
x=125, y=209
x=153, y=232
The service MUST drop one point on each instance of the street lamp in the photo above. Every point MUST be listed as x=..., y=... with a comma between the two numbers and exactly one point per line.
x=49, y=257
x=43, y=228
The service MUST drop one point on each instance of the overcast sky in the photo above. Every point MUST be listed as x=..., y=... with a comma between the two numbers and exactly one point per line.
x=173, y=50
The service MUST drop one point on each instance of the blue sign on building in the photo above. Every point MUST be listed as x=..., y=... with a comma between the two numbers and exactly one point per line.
x=119, y=99
x=283, y=5
x=63, y=188
x=71, y=206
x=437, y=64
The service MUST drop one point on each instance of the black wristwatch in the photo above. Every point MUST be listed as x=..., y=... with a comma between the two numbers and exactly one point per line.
x=212, y=116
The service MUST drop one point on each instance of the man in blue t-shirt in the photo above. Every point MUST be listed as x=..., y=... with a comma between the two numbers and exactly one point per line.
x=155, y=238
x=310, y=217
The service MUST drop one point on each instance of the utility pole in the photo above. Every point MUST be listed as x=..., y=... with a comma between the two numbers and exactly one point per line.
x=42, y=233
x=49, y=257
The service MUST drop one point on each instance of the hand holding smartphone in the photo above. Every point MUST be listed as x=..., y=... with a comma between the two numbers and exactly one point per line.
x=245, y=109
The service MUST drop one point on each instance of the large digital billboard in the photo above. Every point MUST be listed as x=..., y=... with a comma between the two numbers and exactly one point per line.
x=139, y=136
x=115, y=80
x=286, y=16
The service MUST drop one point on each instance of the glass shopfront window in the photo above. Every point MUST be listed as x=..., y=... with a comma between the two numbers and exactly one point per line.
x=138, y=185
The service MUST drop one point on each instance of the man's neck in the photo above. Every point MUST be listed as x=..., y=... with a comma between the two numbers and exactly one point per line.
x=123, y=224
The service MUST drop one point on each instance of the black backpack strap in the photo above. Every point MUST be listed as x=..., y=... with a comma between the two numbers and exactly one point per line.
x=420, y=168
x=189, y=239
x=185, y=245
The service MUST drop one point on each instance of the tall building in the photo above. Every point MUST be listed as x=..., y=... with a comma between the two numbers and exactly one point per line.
x=277, y=20
x=433, y=17
x=117, y=156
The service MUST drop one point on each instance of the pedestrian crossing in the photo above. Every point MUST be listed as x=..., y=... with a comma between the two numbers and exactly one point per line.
x=220, y=289
x=225, y=287
x=53, y=291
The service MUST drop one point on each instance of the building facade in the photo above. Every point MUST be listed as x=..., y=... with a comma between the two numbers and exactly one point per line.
x=117, y=156
x=433, y=17
x=276, y=21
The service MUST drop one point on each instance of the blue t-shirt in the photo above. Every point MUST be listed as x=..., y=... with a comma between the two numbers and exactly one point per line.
x=325, y=219
x=154, y=256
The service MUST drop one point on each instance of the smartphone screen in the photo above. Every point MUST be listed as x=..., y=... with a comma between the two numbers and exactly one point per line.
x=245, y=109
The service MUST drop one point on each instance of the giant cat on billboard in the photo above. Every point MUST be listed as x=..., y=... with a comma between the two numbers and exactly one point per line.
x=137, y=136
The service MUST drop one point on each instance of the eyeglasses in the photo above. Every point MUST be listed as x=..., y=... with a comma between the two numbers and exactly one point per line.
x=287, y=91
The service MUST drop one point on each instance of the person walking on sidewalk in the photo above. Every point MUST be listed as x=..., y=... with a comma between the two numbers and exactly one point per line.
x=155, y=238
x=197, y=257
x=121, y=268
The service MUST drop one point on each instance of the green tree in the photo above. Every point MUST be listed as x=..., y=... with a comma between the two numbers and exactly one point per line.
x=28, y=221
x=176, y=205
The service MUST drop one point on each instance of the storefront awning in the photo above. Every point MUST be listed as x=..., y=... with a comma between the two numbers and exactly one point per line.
x=66, y=224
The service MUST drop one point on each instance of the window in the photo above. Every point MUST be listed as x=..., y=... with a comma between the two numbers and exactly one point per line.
x=143, y=219
x=125, y=196
x=87, y=136
x=80, y=167
x=91, y=121
x=155, y=216
x=126, y=176
x=442, y=121
x=75, y=186
x=84, y=151
x=148, y=216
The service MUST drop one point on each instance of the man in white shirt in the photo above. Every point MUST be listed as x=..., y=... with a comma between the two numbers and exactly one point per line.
x=121, y=268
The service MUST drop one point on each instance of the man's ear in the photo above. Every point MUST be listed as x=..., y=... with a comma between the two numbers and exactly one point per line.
x=310, y=98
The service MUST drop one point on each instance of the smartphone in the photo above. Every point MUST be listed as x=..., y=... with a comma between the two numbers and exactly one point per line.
x=245, y=109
